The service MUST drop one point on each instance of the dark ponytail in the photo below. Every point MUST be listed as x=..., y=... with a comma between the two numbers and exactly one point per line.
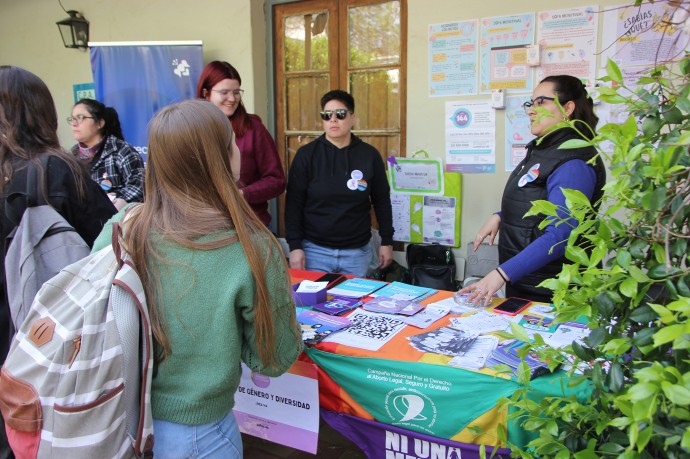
x=99, y=111
x=569, y=88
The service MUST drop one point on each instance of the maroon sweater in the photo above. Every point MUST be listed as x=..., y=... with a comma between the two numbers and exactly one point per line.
x=261, y=172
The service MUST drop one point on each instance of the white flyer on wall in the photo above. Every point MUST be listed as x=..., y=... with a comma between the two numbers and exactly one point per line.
x=400, y=202
x=568, y=43
x=470, y=136
x=439, y=220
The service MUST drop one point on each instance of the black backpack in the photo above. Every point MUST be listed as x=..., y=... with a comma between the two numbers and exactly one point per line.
x=431, y=265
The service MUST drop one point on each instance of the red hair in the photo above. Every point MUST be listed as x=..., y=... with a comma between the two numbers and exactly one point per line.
x=211, y=75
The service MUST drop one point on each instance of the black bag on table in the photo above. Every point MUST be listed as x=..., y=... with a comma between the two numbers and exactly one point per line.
x=431, y=265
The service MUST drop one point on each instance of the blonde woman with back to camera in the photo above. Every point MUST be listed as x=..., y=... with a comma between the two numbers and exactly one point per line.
x=216, y=281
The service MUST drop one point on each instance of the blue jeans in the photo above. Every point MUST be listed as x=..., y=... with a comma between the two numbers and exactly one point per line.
x=346, y=261
x=220, y=439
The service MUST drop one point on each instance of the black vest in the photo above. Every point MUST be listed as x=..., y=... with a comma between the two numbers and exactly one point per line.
x=517, y=231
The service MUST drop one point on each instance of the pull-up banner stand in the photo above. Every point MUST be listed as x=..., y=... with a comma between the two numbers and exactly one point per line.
x=140, y=78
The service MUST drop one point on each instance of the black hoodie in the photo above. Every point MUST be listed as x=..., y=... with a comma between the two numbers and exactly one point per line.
x=330, y=193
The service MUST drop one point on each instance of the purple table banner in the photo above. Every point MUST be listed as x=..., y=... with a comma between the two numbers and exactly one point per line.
x=383, y=441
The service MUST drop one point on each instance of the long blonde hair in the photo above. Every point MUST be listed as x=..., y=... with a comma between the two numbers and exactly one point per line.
x=190, y=193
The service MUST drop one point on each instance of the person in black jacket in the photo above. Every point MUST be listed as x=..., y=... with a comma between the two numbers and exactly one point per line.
x=529, y=255
x=333, y=183
x=28, y=130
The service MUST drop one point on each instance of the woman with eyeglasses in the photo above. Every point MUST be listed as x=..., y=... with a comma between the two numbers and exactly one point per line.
x=258, y=170
x=113, y=163
x=334, y=181
x=527, y=254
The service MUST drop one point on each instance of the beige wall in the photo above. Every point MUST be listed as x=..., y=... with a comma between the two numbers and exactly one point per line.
x=29, y=38
x=234, y=30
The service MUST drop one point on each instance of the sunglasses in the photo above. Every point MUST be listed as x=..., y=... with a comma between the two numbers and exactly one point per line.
x=536, y=102
x=340, y=113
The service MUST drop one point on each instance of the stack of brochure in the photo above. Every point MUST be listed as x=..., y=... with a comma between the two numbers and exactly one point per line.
x=445, y=340
x=316, y=326
x=401, y=291
x=392, y=306
x=337, y=306
x=356, y=287
x=508, y=355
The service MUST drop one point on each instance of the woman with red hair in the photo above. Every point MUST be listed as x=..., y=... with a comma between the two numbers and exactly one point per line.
x=261, y=175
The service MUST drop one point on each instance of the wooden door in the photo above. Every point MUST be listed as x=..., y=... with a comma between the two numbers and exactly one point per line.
x=354, y=45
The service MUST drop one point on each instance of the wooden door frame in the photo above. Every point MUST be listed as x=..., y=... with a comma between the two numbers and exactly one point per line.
x=273, y=92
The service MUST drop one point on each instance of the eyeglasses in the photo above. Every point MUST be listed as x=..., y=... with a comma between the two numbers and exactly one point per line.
x=237, y=93
x=340, y=113
x=536, y=102
x=78, y=119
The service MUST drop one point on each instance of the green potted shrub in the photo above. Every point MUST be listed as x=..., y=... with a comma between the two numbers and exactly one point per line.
x=630, y=279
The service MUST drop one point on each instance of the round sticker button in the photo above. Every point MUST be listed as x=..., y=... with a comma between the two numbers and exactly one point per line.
x=352, y=184
x=356, y=174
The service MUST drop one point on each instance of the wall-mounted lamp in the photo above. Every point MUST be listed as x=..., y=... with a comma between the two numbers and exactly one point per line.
x=74, y=30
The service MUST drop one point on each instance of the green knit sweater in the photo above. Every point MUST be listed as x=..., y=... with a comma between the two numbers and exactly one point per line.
x=208, y=299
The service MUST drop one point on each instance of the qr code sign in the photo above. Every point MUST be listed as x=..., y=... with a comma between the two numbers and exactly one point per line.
x=374, y=326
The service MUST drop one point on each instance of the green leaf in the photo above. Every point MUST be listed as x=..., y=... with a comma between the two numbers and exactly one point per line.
x=641, y=391
x=638, y=274
x=651, y=126
x=662, y=272
x=678, y=394
x=519, y=332
x=620, y=422
x=643, y=314
x=655, y=200
x=623, y=258
x=668, y=334
x=629, y=287
x=644, y=437
x=613, y=72
x=615, y=377
x=596, y=337
x=577, y=254
x=574, y=143
x=673, y=116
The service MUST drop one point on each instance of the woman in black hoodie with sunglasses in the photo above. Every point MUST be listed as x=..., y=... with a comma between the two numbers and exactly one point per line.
x=333, y=183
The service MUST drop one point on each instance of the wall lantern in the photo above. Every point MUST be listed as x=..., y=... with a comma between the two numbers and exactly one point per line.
x=74, y=30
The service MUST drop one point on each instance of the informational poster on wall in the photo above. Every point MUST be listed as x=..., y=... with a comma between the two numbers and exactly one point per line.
x=641, y=36
x=518, y=133
x=284, y=410
x=470, y=136
x=567, y=42
x=429, y=218
x=503, y=53
x=453, y=51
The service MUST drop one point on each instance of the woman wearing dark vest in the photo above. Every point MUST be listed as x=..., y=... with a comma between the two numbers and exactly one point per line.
x=528, y=255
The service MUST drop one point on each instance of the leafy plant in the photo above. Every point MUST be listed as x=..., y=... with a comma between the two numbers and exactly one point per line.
x=629, y=277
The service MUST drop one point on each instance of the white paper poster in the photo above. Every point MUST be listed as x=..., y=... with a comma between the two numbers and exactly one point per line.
x=284, y=410
x=638, y=36
x=453, y=58
x=470, y=137
x=439, y=220
x=401, y=216
x=568, y=43
x=503, y=53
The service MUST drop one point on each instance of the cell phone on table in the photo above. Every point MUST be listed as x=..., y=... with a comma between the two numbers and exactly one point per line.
x=512, y=306
x=333, y=279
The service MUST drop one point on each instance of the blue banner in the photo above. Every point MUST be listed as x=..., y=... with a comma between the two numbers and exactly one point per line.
x=139, y=80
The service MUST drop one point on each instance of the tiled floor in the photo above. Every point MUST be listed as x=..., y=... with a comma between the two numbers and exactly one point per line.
x=332, y=445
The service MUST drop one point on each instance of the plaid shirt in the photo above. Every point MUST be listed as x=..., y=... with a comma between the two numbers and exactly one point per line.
x=119, y=169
